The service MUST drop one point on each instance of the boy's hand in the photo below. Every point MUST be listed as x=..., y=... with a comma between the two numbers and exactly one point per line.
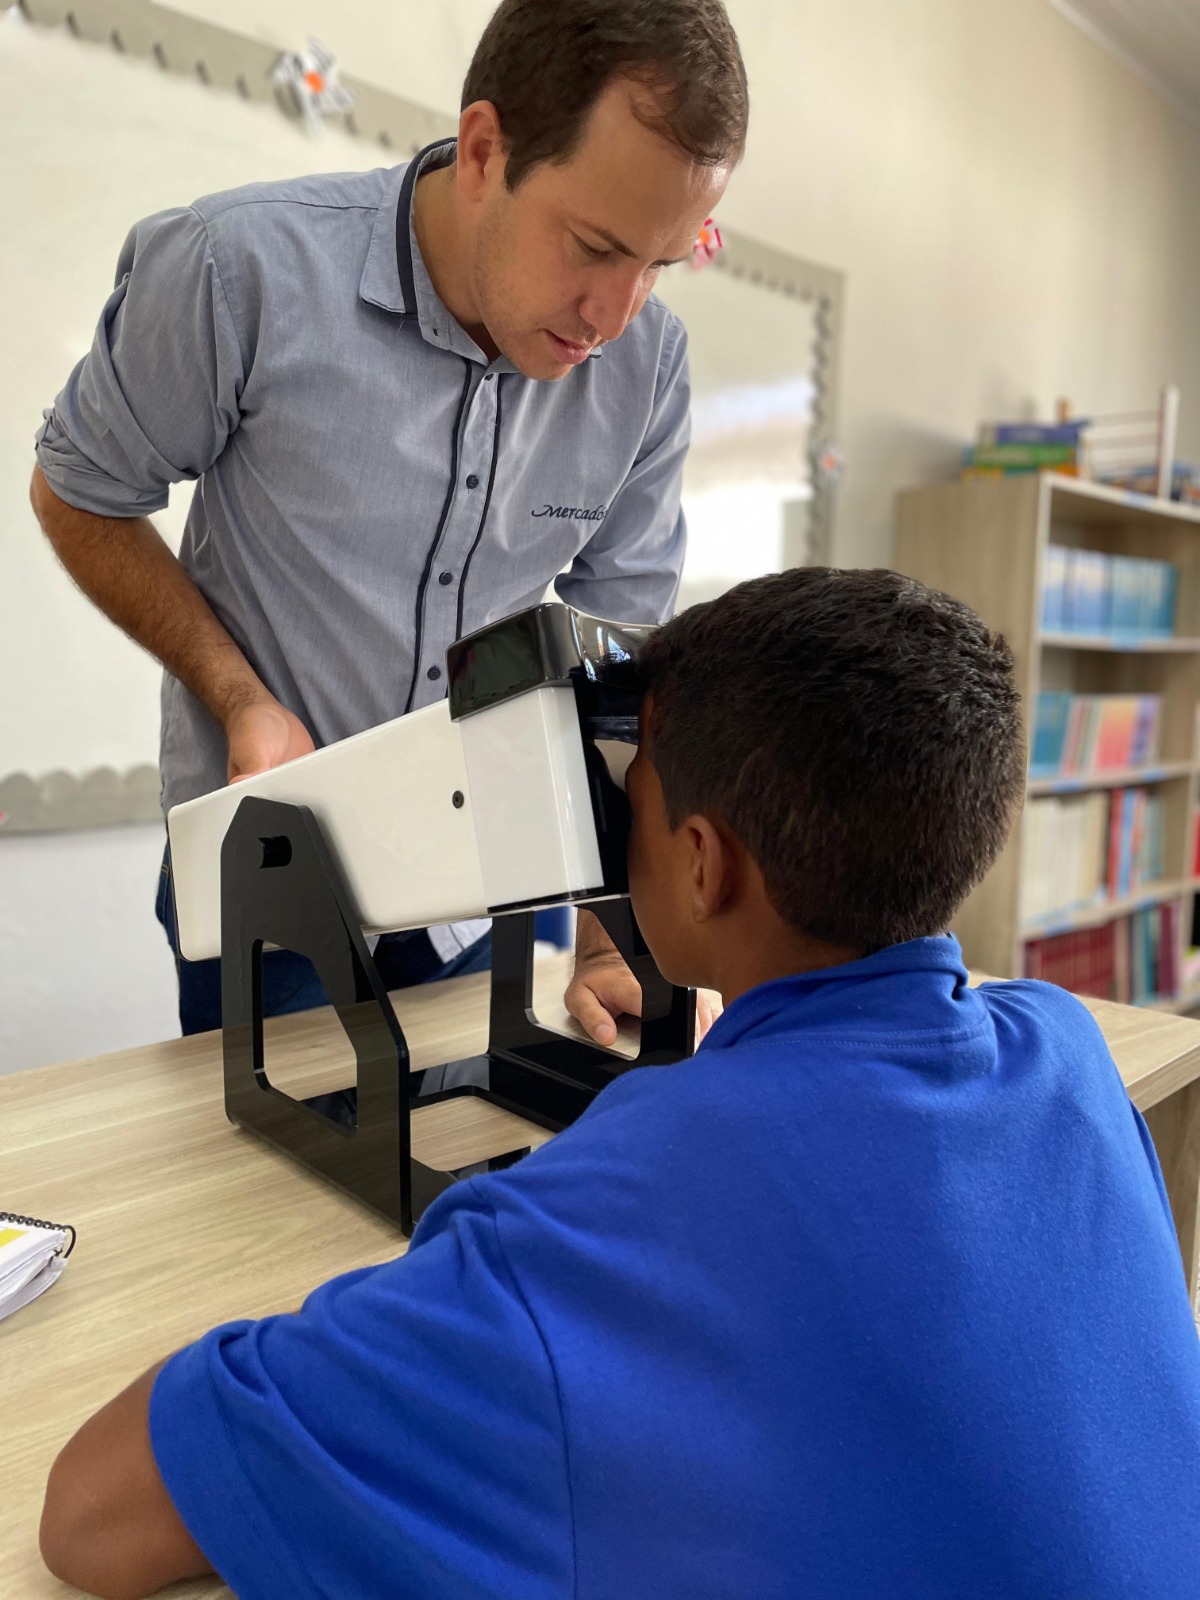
x=603, y=988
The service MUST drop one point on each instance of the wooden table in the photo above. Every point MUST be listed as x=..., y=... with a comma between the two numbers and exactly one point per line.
x=185, y=1221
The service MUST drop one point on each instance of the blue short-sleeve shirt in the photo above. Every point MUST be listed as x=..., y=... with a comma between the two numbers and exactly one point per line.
x=368, y=485
x=876, y=1296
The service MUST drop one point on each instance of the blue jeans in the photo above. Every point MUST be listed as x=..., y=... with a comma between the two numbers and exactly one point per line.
x=290, y=982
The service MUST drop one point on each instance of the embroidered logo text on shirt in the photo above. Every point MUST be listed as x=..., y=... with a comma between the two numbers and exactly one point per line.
x=572, y=513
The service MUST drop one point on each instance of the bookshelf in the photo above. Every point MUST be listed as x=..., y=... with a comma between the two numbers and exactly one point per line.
x=985, y=541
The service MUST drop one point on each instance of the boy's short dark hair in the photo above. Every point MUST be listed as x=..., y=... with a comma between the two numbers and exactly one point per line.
x=860, y=733
x=543, y=64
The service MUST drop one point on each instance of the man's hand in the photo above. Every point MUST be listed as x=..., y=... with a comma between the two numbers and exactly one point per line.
x=603, y=988
x=263, y=734
x=122, y=565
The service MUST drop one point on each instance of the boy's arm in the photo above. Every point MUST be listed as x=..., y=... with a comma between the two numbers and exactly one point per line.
x=108, y=1523
x=401, y=1433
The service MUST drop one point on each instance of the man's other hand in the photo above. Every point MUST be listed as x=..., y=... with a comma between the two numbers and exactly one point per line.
x=263, y=734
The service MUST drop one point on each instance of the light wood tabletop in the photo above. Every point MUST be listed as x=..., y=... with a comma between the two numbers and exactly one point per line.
x=186, y=1221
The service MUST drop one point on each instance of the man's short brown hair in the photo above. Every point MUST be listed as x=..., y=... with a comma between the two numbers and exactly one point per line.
x=543, y=64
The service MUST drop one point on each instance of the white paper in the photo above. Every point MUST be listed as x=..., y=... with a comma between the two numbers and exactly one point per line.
x=29, y=1264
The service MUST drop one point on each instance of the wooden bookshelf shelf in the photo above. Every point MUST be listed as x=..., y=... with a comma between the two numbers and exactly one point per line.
x=985, y=541
x=1154, y=646
x=1095, y=916
x=1081, y=782
x=1098, y=505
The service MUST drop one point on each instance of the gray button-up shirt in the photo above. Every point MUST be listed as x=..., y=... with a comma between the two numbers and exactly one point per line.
x=370, y=486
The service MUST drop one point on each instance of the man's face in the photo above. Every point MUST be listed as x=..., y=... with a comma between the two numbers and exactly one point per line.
x=567, y=262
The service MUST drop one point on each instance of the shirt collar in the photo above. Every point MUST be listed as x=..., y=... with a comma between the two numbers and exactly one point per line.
x=395, y=276
x=919, y=985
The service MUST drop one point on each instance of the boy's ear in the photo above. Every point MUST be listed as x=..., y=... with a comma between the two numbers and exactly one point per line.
x=713, y=868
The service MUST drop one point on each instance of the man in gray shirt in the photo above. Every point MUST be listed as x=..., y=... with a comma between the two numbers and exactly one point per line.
x=411, y=399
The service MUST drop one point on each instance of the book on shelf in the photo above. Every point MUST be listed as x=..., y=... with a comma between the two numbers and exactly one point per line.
x=1030, y=433
x=1021, y=457
x=1085, y=735
x=1006, y=448
x=1081, y=851
x=1122, y=597
x=1135, y=959
x=970, y=471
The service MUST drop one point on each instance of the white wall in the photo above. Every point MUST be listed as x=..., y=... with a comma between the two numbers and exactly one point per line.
x=84, y=966
x=1014, y=209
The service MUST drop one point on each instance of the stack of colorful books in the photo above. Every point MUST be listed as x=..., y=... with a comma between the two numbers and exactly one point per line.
x=1005, y=448
x=1135, y=959
x=1085, y=591
x=1087, y=849
x=1087, y=734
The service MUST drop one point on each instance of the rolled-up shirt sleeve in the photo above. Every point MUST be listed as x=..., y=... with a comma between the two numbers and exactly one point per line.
x=157, y=396
x=630, y=570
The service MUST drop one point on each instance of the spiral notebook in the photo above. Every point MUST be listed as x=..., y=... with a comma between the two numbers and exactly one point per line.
x=32, y=1256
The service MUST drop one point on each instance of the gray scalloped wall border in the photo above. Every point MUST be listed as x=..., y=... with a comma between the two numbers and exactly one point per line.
x=60, y=802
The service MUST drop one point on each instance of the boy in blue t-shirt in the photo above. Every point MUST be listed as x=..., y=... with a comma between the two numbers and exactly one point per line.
x=877, y=1296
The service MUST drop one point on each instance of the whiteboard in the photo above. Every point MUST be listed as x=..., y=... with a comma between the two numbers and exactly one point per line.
x=747, y=491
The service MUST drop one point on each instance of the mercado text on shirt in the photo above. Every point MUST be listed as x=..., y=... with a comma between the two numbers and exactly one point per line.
x=573, y=513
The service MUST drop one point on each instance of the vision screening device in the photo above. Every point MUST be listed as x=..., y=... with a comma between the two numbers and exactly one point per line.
x=506, y=796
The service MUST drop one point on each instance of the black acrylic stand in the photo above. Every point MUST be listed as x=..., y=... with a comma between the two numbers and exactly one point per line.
x=281, y=885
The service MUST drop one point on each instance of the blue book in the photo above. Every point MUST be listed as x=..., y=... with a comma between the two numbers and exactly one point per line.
x=1147, y=595
x=1054, y=589
x=1049, y=732
x=1125, y=594
x=1154, y=827
x=993, y=433
x=1087, y=605
x=1164, y=611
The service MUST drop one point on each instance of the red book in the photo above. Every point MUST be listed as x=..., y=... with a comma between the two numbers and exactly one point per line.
x=1114, y=739
x=1115, y=819
x=1121, y=975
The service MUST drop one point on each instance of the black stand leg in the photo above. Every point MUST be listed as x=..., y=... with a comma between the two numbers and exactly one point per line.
x=280, y=884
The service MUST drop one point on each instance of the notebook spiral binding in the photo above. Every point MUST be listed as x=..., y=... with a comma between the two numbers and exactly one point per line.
x=37, y=1222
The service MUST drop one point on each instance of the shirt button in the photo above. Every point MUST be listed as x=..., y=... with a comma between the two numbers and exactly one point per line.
x=488, y=376
x=445, y=577
x=434, y=674
x=472, y=480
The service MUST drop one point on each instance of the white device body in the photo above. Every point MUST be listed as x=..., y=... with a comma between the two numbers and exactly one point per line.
x=523, y=831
